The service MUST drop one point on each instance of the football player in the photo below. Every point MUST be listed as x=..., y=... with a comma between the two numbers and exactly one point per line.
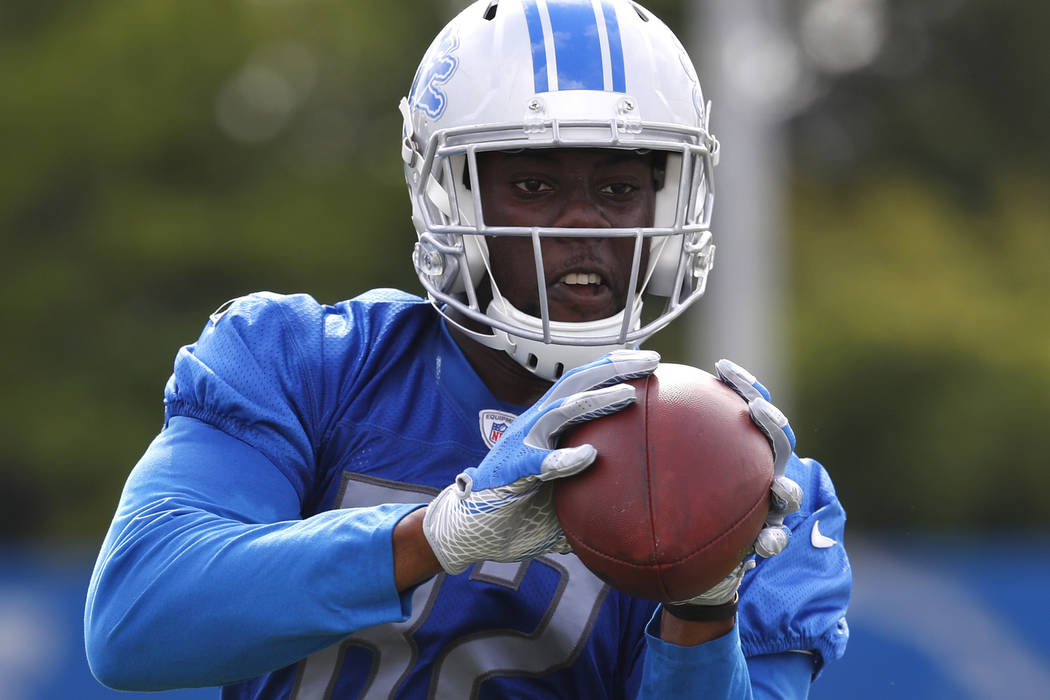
x=354, y=500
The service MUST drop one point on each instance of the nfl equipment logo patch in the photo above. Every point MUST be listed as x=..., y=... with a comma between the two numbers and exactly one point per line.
x=493, y=424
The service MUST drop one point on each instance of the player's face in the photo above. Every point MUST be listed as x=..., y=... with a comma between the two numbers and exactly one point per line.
x=587, y=278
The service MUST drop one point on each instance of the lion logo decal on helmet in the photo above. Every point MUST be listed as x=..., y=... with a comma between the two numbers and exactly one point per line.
x=435, y=71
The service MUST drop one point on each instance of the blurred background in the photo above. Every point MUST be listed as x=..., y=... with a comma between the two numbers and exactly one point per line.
x=883, y=224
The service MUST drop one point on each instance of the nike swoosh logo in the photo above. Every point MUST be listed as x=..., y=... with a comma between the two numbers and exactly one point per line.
x=819, y=539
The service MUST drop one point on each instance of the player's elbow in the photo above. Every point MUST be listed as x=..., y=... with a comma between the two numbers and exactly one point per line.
x=113, y=663
x=115, y=660
x=105, y=665
x=117, y=650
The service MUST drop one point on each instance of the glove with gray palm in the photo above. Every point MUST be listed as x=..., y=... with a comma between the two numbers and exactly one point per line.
x=502, y=509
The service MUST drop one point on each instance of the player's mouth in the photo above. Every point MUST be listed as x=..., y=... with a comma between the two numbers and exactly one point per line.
x=582, y=295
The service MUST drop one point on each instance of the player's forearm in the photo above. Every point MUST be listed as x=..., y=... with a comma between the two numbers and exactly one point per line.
x=233, y=601
x=414, y=560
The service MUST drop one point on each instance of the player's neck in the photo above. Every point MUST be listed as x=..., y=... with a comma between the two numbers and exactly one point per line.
x=506, y=379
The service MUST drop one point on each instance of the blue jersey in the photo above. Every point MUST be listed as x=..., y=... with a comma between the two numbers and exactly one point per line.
x=255, y=534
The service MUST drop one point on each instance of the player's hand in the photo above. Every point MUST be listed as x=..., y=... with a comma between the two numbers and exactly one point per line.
x=502, y=510
x=785, y=495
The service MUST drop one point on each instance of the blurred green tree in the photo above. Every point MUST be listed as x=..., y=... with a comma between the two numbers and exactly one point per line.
x=922, y=202
x=161, y=158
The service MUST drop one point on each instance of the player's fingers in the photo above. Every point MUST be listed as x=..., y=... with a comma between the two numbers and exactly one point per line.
x=775, y=425
x=580, y=407
x=742, y=381
x=566, y=462
x=771, y=541
x=613, y=368
x=786, y=496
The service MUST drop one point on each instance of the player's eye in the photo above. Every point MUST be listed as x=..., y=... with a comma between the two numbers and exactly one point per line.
x=532, y=185
x=618, y=188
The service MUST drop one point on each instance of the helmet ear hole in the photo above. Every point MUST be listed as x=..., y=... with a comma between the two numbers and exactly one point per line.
x=490, y=11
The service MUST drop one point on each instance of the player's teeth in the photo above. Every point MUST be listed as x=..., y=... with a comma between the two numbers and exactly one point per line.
x=582, y=278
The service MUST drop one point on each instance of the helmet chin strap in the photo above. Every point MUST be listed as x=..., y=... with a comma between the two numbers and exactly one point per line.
x=550, y=360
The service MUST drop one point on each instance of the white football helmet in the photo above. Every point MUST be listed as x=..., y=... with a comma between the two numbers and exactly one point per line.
x=513, y=74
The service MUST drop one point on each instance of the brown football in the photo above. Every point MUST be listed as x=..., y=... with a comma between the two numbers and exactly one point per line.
x=678, y=492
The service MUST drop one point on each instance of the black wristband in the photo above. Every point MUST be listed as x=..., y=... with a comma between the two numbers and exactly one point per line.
x=703, y=613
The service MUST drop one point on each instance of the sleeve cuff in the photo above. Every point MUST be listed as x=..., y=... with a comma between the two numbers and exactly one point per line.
x=714, y=669
x=717, y=652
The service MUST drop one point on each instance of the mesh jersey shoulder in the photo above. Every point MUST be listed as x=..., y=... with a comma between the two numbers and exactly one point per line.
x=267, y=368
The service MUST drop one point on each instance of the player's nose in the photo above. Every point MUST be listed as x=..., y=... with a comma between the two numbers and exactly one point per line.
x=580, y=210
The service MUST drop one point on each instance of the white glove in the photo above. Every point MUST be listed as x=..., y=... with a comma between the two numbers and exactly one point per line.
x=785, y=497
x=502, y=510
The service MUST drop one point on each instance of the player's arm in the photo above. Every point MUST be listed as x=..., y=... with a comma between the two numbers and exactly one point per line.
x=414, y=559
x=208, y=575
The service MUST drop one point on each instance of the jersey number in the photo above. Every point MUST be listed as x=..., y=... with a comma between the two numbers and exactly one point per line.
x=464, y=663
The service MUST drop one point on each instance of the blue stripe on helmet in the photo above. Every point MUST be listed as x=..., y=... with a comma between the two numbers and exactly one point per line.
x=539, y=51
x=576, y=43
x=612, y=28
